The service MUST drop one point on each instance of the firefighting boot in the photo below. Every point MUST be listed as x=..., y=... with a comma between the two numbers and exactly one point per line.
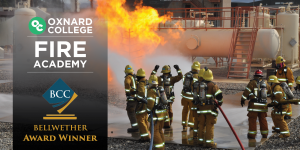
x=251, y=136
x=265, y=135
x=284, y=135
x=276, y=129
x=130, y=130
x=211, y=145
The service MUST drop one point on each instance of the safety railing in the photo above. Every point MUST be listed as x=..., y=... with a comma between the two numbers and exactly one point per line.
x=233, y=40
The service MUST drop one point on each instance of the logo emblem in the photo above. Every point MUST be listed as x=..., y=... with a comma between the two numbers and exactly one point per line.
x=37, y=25
x=60, y=96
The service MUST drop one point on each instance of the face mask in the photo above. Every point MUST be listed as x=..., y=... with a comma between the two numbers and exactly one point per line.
x=278, y=66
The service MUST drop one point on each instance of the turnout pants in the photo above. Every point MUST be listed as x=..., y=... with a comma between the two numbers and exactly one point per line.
x=142, y=120
x=280, y=123
x=168, y=121
x=187, y=115
x=289, y=110
x=207, y=121
x=159, y=139
x=262, y=122
x=130, y=108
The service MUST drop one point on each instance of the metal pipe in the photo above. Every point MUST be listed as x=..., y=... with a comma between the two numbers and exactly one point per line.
x=238, y=139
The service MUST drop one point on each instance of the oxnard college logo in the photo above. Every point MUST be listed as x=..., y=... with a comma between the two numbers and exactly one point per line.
x=60, y=96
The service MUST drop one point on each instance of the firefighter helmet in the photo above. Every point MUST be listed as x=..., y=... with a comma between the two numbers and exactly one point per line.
x=141, y=73
x=201, y=72
x=166, y=69
x=128, y=69
x=196, y=65
x=273, y=79
x=208, y=75
x=279, y=60
x=258, y=73
x=298, y=80
x=153, y=79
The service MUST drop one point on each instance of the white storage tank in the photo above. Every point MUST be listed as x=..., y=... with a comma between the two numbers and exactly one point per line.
x=23, y=39
x=290, y=22
x=216, y=43
x=263, y=18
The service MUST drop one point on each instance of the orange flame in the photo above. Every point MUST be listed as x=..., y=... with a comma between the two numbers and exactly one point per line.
x=132, y=33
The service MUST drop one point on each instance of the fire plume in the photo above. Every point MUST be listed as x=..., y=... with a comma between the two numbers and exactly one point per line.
x=131, y=33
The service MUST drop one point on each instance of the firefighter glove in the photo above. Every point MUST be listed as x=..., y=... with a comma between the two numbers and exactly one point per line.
x=176, y=67
x=242, y=102
x=156, y=67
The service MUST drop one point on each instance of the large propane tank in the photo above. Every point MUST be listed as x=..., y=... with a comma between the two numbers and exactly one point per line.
x=216, y=43
x=6, y=32
x=290, y=22
x=263, y=20
x=24, y=40
x=182, y=23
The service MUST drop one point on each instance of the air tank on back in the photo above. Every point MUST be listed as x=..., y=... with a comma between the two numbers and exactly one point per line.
x=289, y=20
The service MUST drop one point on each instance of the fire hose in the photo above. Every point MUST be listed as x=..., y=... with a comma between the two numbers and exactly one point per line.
x=238, y=139
x=152, y=131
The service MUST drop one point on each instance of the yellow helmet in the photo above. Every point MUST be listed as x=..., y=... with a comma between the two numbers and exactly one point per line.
x=128, y=69
x=166, y=69
x=279, y=60
x=208, y=75
x=196, y=65
x=201, y=72
x=141, y=73
x=273, y=79
x=153, y=79
x=298, y=80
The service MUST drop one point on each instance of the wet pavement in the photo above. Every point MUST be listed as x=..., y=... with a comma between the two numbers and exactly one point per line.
x=118, y=123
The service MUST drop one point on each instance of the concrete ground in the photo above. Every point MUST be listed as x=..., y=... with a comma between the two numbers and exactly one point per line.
x=118, y=123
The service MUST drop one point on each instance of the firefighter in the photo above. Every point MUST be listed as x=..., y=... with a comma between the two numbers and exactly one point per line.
x=141, y=114
x=284, y=74
x=130, y=89
x=167, y=81
x=257, y=91
x=156, y=106
x=207, y=109
x=279, y=110
x=194, y=107
x=187, y=97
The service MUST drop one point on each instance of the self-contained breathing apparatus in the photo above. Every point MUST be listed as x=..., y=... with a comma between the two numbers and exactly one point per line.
x=200, y=97
x=168, y=88
x=188, y=81
x=163, y=101
x=260, y=92
x=134, y=92
x=287, y=90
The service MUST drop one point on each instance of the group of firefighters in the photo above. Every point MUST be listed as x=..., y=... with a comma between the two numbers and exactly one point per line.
x=200, y=98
